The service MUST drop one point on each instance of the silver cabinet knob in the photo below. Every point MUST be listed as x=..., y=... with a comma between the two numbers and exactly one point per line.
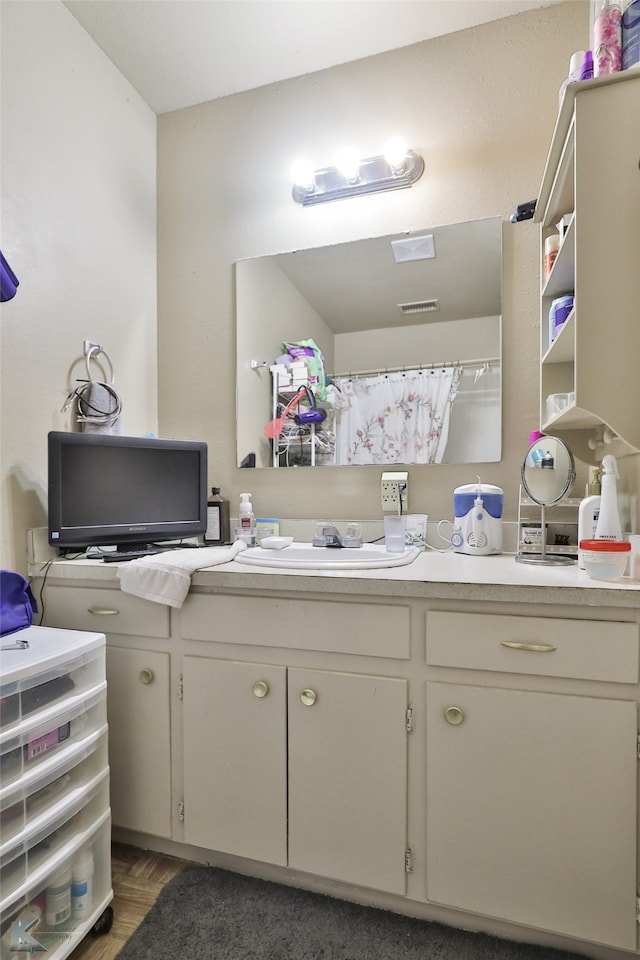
x=454, y=716
x=260, y=689
x=308, y=697
x=146, y=676
x=103, y=611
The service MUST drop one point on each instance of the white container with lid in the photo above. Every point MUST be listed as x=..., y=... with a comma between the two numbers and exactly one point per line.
x=605, y=559
x=58, y=897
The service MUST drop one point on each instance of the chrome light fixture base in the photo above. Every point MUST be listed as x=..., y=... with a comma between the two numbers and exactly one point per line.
x=375, y=175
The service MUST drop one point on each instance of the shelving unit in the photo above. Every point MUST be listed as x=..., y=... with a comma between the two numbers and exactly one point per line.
x=298, y=445
x=54, y=789
x=562, y=521
x=592, y=174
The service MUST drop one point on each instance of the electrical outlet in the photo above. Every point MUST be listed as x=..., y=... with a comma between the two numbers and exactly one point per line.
x=392, y=487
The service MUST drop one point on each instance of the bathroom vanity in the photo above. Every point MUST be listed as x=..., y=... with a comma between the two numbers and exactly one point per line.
x=456, y=739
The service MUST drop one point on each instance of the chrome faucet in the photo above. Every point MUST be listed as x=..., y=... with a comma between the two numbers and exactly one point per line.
x=332, y=538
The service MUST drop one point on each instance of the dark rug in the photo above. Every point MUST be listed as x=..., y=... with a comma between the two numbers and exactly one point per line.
x=209, y=914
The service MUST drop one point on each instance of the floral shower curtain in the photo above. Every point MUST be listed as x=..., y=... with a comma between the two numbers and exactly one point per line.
x=398, y=417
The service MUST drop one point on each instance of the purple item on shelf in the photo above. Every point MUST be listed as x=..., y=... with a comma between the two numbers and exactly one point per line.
x=560, y=309
x=586, y=73
x=631, y=35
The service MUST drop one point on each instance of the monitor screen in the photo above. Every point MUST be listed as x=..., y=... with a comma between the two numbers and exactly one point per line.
x=124, y=491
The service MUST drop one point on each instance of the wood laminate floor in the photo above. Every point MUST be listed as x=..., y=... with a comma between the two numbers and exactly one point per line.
x=138, y=876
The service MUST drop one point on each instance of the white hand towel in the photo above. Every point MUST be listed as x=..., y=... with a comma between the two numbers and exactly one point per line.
x=166, y=577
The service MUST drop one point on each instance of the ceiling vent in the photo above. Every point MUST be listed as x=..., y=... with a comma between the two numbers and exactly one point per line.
x=413, y=248
x=420, y=306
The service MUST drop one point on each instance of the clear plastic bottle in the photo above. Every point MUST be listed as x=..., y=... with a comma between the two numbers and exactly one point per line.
x=607, y=39
x=82, y=885
x=58, y=897
x=247, y=520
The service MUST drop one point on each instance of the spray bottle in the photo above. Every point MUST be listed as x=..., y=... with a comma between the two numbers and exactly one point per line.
x=608, y=526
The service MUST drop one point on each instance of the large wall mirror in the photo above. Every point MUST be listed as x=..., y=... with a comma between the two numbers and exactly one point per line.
x=409, y=330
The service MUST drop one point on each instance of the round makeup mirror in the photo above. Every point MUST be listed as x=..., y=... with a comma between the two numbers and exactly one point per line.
x=547, y=473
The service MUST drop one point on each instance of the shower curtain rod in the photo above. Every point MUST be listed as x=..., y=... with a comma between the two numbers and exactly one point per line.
x=484, y=361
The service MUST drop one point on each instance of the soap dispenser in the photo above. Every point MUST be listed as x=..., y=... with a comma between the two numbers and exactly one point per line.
x=608, y=526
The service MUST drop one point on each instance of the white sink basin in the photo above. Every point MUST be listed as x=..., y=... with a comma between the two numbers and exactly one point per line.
x=307, y=557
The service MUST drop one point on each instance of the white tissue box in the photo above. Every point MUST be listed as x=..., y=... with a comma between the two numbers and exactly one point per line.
x=416, y=533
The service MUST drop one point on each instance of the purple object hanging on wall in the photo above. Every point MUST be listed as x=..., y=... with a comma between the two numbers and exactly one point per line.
x=8, y=281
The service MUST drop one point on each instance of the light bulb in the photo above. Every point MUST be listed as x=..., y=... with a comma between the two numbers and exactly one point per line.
x=302, y=175
x=395, y=153
x=348, y=164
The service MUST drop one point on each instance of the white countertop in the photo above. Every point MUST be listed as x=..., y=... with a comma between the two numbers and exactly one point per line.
x=446, y=575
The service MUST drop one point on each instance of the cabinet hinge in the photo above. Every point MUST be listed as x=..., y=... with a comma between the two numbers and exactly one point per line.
x=409, y=719
x=637, y=909
x=408, y=860
x=181, y=810
x=180, y=688
x=638, y=746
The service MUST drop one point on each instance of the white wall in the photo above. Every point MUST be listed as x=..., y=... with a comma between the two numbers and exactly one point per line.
x=479, y=105
x=78, y=219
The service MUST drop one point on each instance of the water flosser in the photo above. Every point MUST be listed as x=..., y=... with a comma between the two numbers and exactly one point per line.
x=608, y=526
x=478, y=537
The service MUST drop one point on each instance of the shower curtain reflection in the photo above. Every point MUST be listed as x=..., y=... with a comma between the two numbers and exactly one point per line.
x=400, y=417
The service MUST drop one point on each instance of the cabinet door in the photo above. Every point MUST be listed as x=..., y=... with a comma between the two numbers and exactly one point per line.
x=138, y=710
x=235, y=758
x=531, y=809
x=348, y=777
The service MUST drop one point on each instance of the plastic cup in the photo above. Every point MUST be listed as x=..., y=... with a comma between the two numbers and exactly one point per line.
x=395, y=531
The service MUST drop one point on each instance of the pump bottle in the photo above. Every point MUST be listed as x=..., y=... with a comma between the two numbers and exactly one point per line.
x=608, y=526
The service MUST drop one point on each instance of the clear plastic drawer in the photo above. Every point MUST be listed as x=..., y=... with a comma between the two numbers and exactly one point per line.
x=63, y=913
x=27, y=749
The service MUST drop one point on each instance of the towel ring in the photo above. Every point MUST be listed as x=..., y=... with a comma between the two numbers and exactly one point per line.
x=92, y=354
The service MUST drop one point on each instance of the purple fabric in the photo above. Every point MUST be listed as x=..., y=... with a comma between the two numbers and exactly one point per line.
x=17, y=603
x=8, y=281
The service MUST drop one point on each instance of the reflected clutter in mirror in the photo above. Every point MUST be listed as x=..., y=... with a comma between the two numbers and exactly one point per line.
x=397, y=340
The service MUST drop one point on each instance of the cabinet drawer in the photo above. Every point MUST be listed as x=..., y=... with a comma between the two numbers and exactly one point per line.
x=372, y=630
x=109, y=611
x=551, y=647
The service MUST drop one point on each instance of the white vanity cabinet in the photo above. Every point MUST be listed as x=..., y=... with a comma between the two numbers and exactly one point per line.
x=138, y=698
x=531, y=790
x=293, y=764
x=592, y=180
x=465, y=752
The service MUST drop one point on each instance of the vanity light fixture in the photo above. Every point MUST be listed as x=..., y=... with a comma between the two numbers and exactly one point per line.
x=397, y=167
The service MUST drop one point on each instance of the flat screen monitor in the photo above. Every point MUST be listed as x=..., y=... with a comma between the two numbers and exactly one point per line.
x=127, y=492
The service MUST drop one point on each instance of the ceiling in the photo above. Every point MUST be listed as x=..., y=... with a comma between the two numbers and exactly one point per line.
x=358, y=285
x=177, y=53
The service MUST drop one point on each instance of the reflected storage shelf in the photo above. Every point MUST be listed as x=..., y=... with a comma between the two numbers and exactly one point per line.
x=298, y=445
x=561, y=523
x=54, y=786
x=591, y=181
